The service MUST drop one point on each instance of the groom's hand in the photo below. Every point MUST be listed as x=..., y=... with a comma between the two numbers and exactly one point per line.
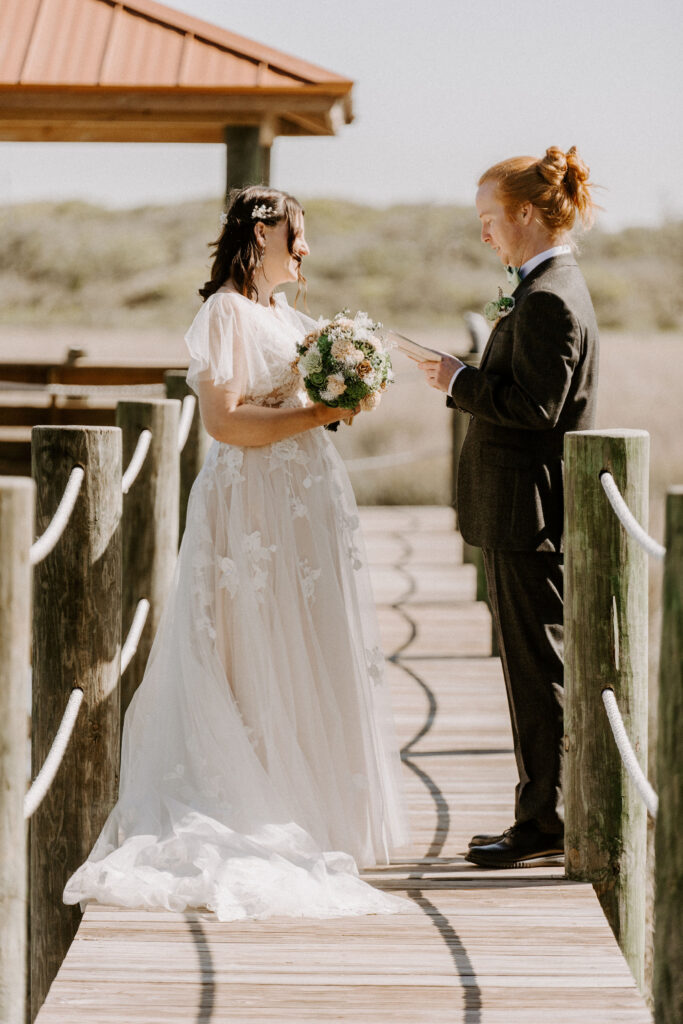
x=439, y=375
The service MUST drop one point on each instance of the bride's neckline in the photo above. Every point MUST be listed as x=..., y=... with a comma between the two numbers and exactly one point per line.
x=278, y=297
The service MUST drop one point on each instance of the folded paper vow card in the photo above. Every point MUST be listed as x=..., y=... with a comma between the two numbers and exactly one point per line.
x=413, y=349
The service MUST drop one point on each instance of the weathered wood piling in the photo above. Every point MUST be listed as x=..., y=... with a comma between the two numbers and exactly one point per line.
x=668, y=957
x=149, y=523
x=17, y=500
x=606, y=647
x=76, y=643
x=195, y=448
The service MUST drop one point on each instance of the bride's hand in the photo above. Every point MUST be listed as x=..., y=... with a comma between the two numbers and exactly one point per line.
x=327, y=414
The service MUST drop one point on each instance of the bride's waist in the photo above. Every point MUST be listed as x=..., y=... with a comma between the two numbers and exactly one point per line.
x=296, y=448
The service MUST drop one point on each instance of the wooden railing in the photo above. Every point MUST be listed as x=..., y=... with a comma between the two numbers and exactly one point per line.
x=115, y=549
x=82, y=585
x=606, y=655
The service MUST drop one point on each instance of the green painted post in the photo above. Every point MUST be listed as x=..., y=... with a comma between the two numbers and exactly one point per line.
x=248, y=161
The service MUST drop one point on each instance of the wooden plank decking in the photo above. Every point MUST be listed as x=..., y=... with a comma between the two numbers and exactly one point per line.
x=473, y=946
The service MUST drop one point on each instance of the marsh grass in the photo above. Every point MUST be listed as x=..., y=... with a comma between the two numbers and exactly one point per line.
x=76, y=263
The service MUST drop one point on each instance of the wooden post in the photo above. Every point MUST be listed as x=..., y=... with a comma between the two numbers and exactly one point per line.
x=150, y=523
x=17, y=501
x=195, y=449
x=606, y=587
x=76, y=643
x=248, y=160
x=668, y=955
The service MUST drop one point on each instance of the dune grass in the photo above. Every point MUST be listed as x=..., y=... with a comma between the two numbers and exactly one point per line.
x=422, y=265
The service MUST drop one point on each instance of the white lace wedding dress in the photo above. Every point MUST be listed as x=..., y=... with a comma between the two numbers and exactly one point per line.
x=258, y=765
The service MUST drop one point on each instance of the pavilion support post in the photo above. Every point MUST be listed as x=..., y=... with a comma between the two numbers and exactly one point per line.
x=605, y=619
x=248, y=159
x=76, y=644
x=195, y=448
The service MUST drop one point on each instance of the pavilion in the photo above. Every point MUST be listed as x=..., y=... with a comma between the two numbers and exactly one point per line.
x=137, y=71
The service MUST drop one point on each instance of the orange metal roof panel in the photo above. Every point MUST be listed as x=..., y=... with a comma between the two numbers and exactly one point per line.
x=136, y=43
x=239, y=44
x=82, y=70
x=141, y=51
x=16, y=26
x=211, y=66
x=67, y=43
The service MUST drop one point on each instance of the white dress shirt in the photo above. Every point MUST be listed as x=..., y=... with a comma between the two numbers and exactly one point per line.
x=526, y=268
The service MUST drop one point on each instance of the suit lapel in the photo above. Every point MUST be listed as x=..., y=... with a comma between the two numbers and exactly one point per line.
x=564, y=260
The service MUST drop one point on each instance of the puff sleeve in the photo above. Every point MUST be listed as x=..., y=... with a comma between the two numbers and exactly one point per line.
x=213, y=344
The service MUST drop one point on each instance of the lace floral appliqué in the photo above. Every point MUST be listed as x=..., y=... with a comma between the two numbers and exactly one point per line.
x=308, y=579
x=286, y=450
x=349, y=524
x=283, y=454
x=229, y=464
x=259, y=556
x=228, y=578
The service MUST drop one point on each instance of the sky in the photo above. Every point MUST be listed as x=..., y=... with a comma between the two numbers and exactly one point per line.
x=444, y=88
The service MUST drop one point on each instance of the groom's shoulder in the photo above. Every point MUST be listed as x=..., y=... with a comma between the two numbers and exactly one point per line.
x=559, y=282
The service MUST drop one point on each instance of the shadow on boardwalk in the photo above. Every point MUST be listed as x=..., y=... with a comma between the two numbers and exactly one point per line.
x=472, y=946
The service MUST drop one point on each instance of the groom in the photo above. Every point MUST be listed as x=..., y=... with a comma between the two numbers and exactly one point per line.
x=537, y=379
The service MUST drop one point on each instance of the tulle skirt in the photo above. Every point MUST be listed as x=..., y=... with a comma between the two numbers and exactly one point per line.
x=259, y=765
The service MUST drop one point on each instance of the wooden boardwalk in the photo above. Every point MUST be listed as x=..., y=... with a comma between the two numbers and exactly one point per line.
x=505, y=947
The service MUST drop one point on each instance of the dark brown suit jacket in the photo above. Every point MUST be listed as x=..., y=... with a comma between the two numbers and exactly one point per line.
x=537, y=380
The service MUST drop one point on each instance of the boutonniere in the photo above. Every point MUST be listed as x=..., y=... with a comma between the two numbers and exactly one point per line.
x=502, y=306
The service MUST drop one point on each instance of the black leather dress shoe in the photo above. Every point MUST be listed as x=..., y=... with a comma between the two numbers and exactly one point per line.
x=485, y=839
x=517, y=847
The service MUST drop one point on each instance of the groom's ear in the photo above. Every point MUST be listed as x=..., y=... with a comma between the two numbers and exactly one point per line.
x=525, y=213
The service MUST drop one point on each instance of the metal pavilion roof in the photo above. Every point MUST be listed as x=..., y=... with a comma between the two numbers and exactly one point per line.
x=99, y=70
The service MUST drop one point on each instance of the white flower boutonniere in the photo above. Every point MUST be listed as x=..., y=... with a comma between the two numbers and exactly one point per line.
x=502, y=306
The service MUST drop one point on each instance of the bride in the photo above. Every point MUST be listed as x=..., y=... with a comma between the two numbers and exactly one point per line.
x=258, y=764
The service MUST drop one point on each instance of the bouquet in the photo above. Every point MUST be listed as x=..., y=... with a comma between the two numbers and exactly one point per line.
x=344, y=363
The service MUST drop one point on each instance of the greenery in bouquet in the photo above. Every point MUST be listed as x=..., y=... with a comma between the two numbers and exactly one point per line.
x=344, y=363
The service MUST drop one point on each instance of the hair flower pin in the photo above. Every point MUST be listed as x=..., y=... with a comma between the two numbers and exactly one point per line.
x=259, y=212
x=223, y=218
x=502, y=306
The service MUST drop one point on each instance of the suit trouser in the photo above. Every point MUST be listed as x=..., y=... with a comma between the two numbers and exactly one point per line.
x=526, y=596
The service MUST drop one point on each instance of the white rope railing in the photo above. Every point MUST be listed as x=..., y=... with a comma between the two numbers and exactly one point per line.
x=137, y=460
x=134, y=633
x=186, y=414
x=627, y=519
x=86, y=390
x=45, y=776
x=645, y=790
x=94, y=390
x=45, y=543
x=396, y=459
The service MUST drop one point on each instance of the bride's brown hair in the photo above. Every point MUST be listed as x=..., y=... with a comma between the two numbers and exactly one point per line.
x=236, y=253
x=557, y=185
